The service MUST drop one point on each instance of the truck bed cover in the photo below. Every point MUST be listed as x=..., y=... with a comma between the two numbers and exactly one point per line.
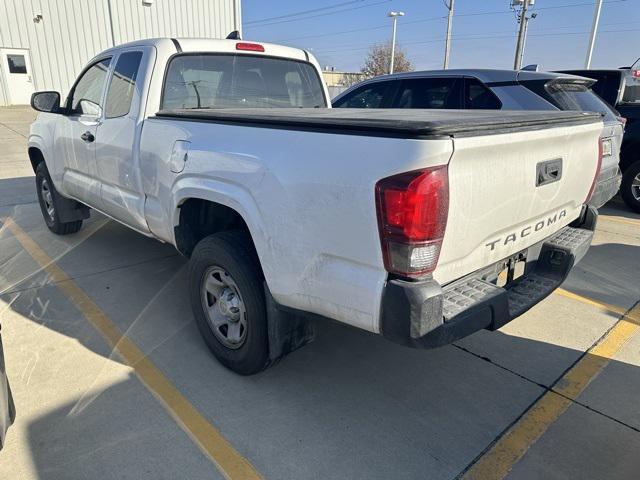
x=403, y=123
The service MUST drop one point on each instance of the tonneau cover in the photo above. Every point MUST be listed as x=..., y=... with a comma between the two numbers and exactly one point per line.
x=405, y=123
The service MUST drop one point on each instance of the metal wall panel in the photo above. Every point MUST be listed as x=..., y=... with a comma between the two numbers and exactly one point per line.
x=72, y=31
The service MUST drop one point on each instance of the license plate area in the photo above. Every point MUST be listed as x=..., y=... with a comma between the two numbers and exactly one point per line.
x=511, y=269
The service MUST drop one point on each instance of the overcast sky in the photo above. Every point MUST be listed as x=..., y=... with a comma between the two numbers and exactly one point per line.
x=484, y=32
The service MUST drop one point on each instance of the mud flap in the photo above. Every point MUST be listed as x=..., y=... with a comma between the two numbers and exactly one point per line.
x=287, y=330
x=69, y=210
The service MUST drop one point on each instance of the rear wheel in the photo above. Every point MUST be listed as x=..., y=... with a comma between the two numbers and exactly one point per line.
x=630, y=187
x=227, y=298
x=48, y=197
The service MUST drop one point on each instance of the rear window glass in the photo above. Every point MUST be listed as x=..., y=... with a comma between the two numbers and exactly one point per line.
x=631, y=92
x=606, y=86
x=570, y=95
x=240, y=81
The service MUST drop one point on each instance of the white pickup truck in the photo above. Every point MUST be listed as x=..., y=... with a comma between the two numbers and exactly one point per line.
x=423, y=226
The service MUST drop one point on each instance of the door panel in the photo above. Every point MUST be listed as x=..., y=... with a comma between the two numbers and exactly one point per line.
x=118, y=135
x=77, y=130
x=16, y=66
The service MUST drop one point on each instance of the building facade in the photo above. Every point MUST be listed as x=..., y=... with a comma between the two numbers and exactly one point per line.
x=45, y=43
x=337, y=82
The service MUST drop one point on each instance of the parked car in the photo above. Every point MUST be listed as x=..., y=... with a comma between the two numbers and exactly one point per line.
x=496, y=90
x=7, y=407
x=621, y=89
x=366, y=217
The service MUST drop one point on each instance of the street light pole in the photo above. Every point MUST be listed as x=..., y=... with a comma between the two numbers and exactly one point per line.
x=594, y=29
x=394, y=16
x=447, y=47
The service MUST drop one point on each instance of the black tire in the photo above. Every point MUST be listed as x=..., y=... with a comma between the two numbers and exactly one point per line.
x=52, y=219
x=233, y=252
x=626, y=188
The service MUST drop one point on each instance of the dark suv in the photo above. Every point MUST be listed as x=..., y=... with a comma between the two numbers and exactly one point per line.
x=497, y=89
x=621, y=89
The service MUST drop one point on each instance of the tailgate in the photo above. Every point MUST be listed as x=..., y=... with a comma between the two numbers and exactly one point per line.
x=498, y=204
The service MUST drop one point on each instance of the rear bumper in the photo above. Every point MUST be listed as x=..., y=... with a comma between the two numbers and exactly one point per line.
x=426, y=315
x=606, y=188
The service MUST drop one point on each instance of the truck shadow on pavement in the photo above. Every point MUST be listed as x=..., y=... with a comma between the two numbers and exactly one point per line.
x=349, y=405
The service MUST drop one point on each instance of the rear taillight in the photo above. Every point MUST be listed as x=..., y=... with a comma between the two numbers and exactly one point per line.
x=623, y=121
x=595, y=178
x=635, y=73
x=252, y=47
x=412, y=217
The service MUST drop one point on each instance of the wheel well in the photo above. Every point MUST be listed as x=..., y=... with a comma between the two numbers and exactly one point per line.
x=201, y=218
x=35, y=157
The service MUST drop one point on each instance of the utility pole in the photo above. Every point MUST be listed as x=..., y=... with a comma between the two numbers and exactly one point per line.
x=447, y=46
x=523, y=19
x=594, y=29
x=394, y=16
x=113, y=35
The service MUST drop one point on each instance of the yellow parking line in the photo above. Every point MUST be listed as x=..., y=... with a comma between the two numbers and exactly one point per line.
x=619, y=220
x=228, y=461
x=498, y=461
x=630, y=316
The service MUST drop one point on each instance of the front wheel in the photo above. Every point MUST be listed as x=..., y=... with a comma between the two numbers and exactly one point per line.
x=227, y=298
x=49, y=198
x=630, y=187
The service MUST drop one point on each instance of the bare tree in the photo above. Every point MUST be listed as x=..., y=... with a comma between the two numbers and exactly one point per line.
x=379, y=59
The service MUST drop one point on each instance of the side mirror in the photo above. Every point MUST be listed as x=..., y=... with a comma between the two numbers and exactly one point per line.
x=47, y=101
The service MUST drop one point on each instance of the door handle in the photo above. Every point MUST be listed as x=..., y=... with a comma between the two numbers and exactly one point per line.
x=87, y=137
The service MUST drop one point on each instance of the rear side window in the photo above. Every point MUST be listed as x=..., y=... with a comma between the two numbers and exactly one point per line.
x=367, y=96
x=123, y=84
x=477, y=96
x=86, y=97
x=570, y=95
x=428, y=93
x=240, y=81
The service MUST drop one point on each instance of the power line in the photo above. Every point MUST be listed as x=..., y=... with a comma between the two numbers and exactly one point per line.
x=302, y=12
x=377, y=27
x=483, y=34
x=308, y=17
x=431, y=19
x=483, y=38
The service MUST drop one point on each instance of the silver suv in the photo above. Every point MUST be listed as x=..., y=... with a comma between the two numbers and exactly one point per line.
x=495, y=90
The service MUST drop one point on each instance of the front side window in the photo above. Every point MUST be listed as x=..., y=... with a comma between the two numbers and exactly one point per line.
x=428, y=93
x=367, y=96
x=477, y=96
x=86, y=96
x=122, y=85
x=17, y=64
x=241, y=81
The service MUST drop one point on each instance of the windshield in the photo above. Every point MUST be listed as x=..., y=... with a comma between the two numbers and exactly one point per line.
x=240, y=81
x=570, y=95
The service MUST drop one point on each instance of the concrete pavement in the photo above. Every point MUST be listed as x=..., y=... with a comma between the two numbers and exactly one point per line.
x=349, y=405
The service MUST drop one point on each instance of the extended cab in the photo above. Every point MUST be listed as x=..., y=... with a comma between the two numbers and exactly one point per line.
x=423, y=226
